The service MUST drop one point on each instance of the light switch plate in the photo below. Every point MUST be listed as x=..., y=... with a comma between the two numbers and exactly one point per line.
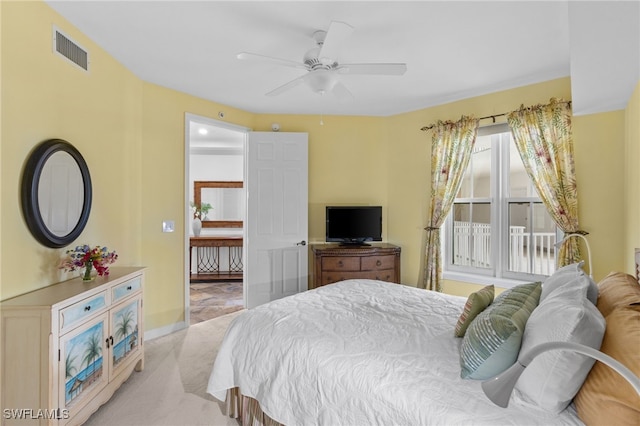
x=168, y=225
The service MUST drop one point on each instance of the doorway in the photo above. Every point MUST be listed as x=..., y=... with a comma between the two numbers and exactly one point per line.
x=214, y=152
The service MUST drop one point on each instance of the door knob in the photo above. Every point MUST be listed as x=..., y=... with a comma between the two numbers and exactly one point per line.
x=302, y=243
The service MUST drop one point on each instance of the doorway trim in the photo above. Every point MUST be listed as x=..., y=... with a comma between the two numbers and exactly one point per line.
x=189, y=117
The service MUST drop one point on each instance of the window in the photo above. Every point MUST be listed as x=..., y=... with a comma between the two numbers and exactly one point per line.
x=498, y=227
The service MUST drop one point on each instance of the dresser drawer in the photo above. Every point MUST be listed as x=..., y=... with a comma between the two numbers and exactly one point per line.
x=374, y=263
x=127, y=288
x=79, y=311
x=333, y=263
x=381, y=275
x=343, y=263
x=335, y=276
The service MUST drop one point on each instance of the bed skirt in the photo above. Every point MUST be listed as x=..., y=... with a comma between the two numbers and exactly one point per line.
x=247, y=410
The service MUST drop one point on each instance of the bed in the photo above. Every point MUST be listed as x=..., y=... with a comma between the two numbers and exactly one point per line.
x=366, y=352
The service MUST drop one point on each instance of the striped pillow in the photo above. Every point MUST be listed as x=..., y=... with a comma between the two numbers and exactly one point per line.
x=492, y=341
x=476, y=303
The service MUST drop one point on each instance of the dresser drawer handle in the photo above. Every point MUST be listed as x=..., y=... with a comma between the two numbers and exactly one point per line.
x=87, y=308
x=129, y=287
x=378, y=263
x=340, y=263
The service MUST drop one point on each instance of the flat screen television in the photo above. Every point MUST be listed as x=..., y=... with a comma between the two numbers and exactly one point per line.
x=354, y=225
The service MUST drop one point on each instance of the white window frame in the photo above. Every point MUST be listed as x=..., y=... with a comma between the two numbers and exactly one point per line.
x=498, y=273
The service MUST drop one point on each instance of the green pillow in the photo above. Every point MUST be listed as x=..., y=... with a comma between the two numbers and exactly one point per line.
x=492, y=341
x=476, y=303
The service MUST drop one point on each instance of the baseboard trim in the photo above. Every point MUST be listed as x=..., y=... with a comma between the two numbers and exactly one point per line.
x=163, y=331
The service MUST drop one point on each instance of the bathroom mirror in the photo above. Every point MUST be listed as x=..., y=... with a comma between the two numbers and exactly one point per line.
x=56, y=193
x=227, y=201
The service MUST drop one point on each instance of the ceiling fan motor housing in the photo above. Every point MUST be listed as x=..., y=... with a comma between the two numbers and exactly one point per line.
x=312, y=60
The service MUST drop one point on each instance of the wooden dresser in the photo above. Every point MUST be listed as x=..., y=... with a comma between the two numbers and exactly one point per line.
x=332, y=263
x=67, y=347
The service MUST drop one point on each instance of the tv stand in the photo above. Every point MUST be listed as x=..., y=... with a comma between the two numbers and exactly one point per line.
x=337, y=262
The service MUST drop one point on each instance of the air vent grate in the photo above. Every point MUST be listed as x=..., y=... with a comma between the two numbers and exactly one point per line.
x=66, y=47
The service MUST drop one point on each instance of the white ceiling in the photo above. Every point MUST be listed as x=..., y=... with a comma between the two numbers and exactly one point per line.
x=453, y=50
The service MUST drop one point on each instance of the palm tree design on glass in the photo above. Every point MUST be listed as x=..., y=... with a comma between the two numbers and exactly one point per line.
x=126, y=332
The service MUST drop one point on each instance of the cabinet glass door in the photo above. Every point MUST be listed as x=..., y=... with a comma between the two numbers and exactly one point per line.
x=82, y=370
x=125, y=323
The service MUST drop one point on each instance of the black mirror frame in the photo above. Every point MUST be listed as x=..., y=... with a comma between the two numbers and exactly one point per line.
x=29, y=194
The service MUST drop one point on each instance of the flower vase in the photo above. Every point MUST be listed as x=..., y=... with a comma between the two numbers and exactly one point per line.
x=87, y=275
x=197, y=227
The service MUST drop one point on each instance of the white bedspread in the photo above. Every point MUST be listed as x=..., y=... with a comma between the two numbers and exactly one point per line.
x=359, y=352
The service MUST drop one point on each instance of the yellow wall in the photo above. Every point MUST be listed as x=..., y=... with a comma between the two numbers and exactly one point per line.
x=632, y=178
x=599, y=162
x=132, y=135
x=163, y=195
x=99, y=112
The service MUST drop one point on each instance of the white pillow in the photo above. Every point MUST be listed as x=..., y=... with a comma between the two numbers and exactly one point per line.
x=570, y=278
x=553, y=378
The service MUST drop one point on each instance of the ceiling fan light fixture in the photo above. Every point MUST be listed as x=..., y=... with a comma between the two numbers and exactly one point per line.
x=322, y=81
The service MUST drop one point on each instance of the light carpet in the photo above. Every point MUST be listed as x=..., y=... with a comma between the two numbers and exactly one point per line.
x=171, y=390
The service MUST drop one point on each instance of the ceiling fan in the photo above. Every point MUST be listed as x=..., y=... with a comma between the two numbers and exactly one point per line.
x=322, y=68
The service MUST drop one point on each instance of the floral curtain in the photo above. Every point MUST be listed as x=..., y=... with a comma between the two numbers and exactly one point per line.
x=450, y=152
x=543, y=136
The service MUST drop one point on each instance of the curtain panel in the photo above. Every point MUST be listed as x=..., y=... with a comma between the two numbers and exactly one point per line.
x=543, y=136
x=451, y=147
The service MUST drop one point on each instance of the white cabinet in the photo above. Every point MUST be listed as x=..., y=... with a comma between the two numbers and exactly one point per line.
x=66, y=348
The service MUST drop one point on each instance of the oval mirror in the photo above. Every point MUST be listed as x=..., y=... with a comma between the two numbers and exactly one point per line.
x=56, y=193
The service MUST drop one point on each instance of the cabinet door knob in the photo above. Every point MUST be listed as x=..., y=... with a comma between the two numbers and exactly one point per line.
x=107, y=342
x=378, y=263
x=340, y=262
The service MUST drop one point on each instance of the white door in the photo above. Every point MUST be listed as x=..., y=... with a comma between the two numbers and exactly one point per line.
x=276, y=181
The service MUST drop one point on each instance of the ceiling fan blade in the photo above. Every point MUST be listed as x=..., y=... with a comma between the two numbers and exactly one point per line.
x=373, y=69
x=341, y=92
x=246, y=56
x=287, y=86
x=338, y=32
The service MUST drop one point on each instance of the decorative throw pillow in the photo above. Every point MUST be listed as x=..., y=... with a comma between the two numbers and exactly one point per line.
x=492, y=341
x=606, y=398
x=570, y=278
x=553, y=378
x=617, y=290
x=476, y=303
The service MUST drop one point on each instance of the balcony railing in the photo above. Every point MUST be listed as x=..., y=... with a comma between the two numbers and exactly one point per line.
x=532, y=253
